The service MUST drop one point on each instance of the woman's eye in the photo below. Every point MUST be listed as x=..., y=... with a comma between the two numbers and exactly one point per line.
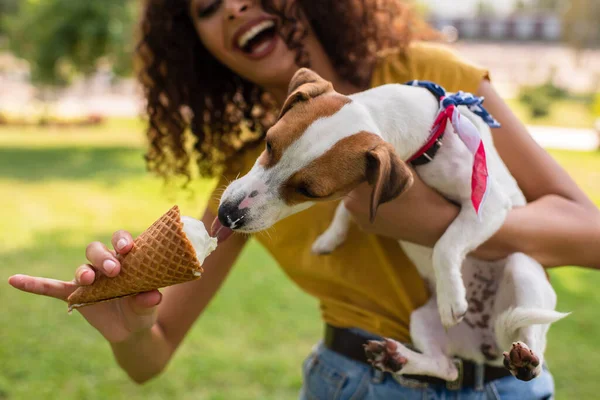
x=206, y=11
x=269, y=148
x=305, y=192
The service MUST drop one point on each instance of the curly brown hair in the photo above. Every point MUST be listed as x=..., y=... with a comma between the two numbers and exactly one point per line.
x=185, y=86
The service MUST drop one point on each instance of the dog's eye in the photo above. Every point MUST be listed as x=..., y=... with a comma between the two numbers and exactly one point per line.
x=305, y=192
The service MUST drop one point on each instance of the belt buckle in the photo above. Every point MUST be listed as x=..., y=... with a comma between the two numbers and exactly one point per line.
x=458, y=382
x=408, y=382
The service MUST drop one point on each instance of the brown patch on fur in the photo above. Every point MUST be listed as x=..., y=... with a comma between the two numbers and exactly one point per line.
x=335, y=173
x=475, y=305
x=304, y=105
x=489, y=351
x=304, y=85
x=388, y=175
x=295, y=122
x=349, y=162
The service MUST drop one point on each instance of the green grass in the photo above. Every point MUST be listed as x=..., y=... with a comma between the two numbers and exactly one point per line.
x=61, y=189
x=563, y=113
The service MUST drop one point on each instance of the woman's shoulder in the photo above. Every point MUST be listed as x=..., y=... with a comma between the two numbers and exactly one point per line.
x=428, y=61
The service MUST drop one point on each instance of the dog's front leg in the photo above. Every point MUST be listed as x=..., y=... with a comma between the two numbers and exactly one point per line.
x=467, y=232
x=336, y=234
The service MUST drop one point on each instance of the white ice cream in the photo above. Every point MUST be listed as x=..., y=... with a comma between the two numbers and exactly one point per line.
x=203, y=243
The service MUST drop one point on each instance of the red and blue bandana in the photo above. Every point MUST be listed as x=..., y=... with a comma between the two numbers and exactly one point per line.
x=465, y=130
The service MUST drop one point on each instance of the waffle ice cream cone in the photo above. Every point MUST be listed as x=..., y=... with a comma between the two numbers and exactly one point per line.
x=169, y=252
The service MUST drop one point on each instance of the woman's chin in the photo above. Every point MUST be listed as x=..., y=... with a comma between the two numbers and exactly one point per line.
x=276, y=67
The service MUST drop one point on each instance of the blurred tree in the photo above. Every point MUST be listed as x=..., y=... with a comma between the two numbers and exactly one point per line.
x=548, y=5
x=7, y=8
x=485, y=8
x=540, y=5
x=63, y=38
x=580, y=23
x=521, y=5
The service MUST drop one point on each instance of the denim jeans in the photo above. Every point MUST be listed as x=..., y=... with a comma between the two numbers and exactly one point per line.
x=330, y=376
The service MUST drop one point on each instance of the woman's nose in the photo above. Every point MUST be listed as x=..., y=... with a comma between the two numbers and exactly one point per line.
x=235, y=8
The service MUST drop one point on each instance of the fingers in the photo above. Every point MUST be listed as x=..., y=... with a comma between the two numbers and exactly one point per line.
x=102, y=259
x=144, y=303
x=122, y=241
x=43, y=286
x=85, y=275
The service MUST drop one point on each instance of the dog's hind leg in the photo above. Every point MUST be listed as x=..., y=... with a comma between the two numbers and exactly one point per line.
x=336, y=234
x=465, y=233
x=525, y=309
x=428, y=336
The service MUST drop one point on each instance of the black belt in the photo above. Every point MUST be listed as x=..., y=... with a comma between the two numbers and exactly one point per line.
x=350, y=344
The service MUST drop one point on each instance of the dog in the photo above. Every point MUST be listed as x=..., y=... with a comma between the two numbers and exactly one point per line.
x=324, y=144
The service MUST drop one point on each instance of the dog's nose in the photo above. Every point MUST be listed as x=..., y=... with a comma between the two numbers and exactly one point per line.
x=231, y=216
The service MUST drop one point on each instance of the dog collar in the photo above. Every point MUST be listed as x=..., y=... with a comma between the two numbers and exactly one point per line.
x=464, y=128
x=426, y=153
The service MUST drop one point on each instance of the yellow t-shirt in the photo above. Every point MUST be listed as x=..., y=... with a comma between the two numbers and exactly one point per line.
x=368, y=282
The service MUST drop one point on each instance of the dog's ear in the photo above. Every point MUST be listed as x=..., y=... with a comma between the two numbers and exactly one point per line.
x=305, y=84
x=388, y=175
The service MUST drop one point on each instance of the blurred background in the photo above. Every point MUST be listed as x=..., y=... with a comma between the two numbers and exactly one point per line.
x=72, y=171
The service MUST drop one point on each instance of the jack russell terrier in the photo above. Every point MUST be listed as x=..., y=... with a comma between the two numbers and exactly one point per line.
x=324, y=144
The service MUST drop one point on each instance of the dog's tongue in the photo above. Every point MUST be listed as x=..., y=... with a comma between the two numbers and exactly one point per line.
x=219, y=231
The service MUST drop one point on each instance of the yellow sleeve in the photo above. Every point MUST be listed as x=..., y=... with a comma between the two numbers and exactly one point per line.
x=429, y=61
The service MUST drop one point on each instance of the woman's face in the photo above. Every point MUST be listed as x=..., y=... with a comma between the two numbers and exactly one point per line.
x=241, y=35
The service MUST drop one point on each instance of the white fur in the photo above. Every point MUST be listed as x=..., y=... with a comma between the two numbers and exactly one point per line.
x=524, y=300
x=267, y=207
x=522, y=303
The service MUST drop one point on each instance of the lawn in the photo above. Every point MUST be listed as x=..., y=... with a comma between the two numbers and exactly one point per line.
x=563, y=113
x=62, y=189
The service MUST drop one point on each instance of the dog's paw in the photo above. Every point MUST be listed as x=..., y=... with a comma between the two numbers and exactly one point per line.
x=522, y=362
x=327, y=243
x=452, y=309
x=384, y=355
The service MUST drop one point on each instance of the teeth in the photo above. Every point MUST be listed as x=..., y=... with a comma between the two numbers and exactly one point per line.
x=255, y=30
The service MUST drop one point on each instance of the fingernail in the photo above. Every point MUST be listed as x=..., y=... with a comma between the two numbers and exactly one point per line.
x=109, y=266
x=121, y=244
x=82, y=276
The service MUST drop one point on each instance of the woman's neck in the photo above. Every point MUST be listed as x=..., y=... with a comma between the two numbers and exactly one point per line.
x=340, y=85
x=322, y=65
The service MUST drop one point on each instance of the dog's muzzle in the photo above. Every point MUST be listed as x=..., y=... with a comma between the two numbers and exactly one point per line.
x=231, y=216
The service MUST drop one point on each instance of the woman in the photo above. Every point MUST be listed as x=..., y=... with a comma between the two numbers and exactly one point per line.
x=211, y=64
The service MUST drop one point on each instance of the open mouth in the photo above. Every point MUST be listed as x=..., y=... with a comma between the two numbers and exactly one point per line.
x=258, y=40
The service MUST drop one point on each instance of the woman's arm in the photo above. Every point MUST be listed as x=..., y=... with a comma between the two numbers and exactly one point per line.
x=560, y=226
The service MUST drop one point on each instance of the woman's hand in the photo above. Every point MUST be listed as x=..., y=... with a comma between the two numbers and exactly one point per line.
x=116, y=320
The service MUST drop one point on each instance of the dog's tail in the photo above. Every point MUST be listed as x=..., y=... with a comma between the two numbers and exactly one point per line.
x=510, y=321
